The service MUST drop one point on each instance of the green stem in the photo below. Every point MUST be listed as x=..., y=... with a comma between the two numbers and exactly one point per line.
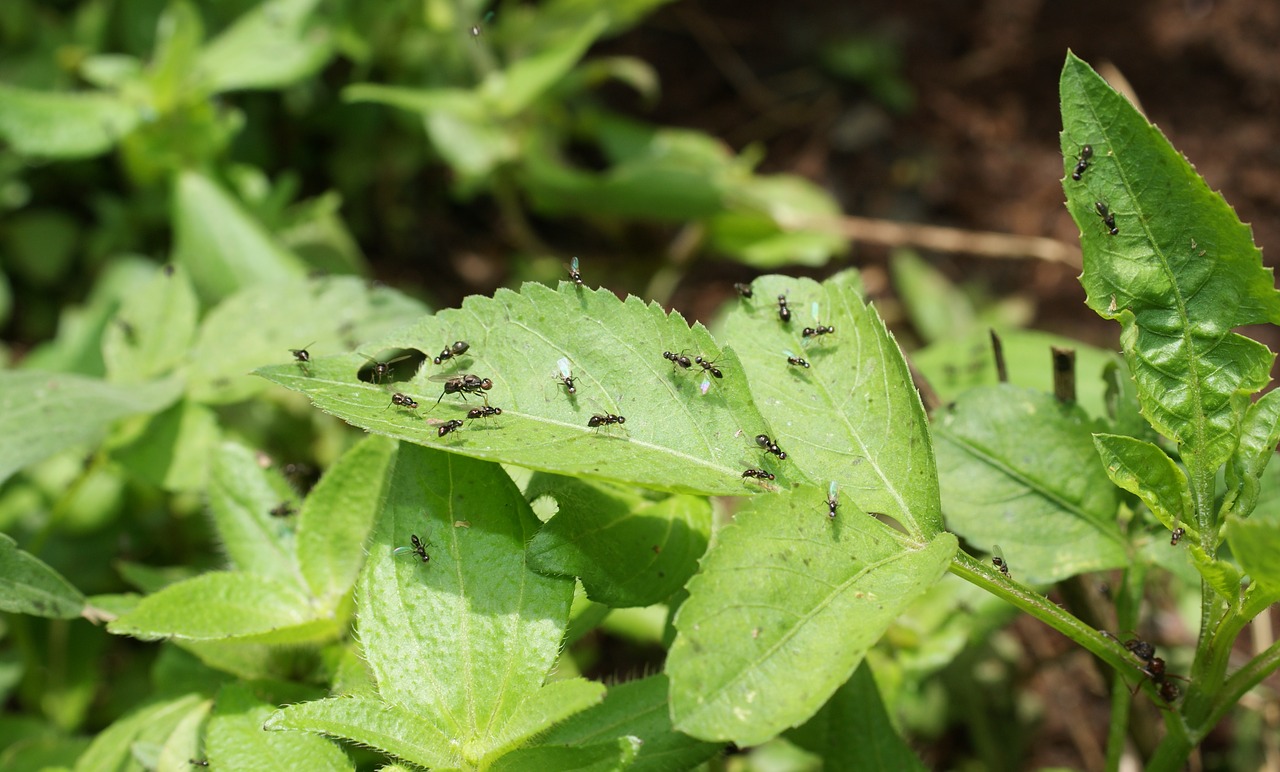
x=1119, y=729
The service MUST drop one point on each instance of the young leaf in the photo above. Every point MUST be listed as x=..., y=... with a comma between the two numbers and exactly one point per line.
x=1147, y=471
x=242, y=495
x=43, y=413
x=463, y=640
x=263, y=323
x=268, y=47
x=853, y=730
x=235, y=739
x=544, y=708
x=336, y=519
x=173, y=450
x=112, y=748
x=152, y=330
x=1179, y=274
x=1019, y=469
x=220, y=244
x=1258, y=439
x=183, y=744
x=675, y=438
x=600, y=757
x=636, y=709
x=224, y=605
x=627, y=551
x=513, y=90
x=29, y=586
x=853, y=416
x=63, y=125
x=377, y=724
x=1255, y=544
x=785, y=607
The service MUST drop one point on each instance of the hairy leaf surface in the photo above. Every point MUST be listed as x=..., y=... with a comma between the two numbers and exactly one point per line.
x=29, y=586
x=235, y=740
x=242, y=496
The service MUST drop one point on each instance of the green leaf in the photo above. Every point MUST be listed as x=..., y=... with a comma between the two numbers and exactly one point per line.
x=464, y=640
x=513, y=90
x=337, y=517
x=153, y=330
x=853, y=416
x=183, y=744
x=1258, y=439
x=937, y=308
x=1221, y=575
x=1146, y=471
x=220, y=244
x=636, y=709
x=261, y=324
x=179, y=36
x=225, y=605
x=853, y=730
x=63, y=125
x=1180, y=275
x=44, y=413
x=1019, y=469
x=786, y=605
x=543, y=709
x=29, y=586
x=242, y=495
x=674, y=437
x=269, y=47
x=174, y=448
x=461, y=103
x=776, y=220
x=236, y=740
x=601, y=757
x=627, y=551
x=377, y=724
x=112, y=749
x=1255, y=544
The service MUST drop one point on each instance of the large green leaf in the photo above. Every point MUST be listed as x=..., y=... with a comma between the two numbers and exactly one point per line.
x=1179, y=275
x=43, y=413
x=242, y=495
x=271, y=46
x=29, y=586
x=63, y=125
x=1019, y=469
x=675, y=438
x=853, y=416
x=112, y=749
x=373, y=723
x=153, y=329
x=786, y=605
x=235, y=739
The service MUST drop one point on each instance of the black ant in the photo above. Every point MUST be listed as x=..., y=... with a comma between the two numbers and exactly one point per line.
x=382, y=369
x=679, y=359
x=1107, y=217
x=784, y=313
x=456, y=350
x=419, y=548
x=759, y=474
x=452, y=425
x=1153, y=667
x=743, y=289
x=833, y=500
x=767, y=444
x=403, y=400
x=1177, y=535
x=792, y=359
x=606, y=419
x=284, y=509
x=1086, y=153
x=709, y=366
x=483, y=412
x=810, y=332
x=463, y=384
x=574, y=275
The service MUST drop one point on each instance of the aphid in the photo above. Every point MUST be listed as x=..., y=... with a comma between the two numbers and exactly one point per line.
x=574, y=275
x=566, y=376
x=1107, y=217
x=458, y=348
x=1086, y=153
x=709, y=365
x=483, y=412
x=382, y=369
x=283, y=509
x=767, y=444
x=605, y=419
x=452, y=425
x=403, y=400
x=784, y=313
x=679, y=359
x=792, y=359
x=997, y=560
x=419, y=548
x=1177, y=535
x=464, y=384
x=833, y=499
x=743, y=289
x=759, y=474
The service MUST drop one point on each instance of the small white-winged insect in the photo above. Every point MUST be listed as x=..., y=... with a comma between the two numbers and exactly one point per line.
x=997, y=559
x=833, y=499
x=565, y=375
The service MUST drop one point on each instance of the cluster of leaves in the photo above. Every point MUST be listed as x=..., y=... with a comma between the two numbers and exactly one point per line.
x=417, y=601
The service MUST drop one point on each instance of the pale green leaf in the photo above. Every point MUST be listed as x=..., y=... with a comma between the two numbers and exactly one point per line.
x=261, y=324
x=774, y=220
x=1219, y=574
x=543, y=709
x=472, y=147
x=455, y=101
x=63, y=125
x=336, y=519
x=1146, y=471
x=184, y=743
x=220, y=244
x=626, y=550
x=1181, y=273
x=374, y=723
x=853, y=731
x=853, y=416
x=674, y=438
x=29, y=586
x=112, y=748
x=513, y=90
x=44, y=413
x=173, y=450
x=153, y=330
x=224, y=605
x=939, y=311
x=271, y=46
x=242, y=495
x=636, y=709
x=466, y=638
x=1255, y=544
x=786, y=605
x=235, y=739
x=601, y=757
x=1258, y=439
x=1001, y=455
